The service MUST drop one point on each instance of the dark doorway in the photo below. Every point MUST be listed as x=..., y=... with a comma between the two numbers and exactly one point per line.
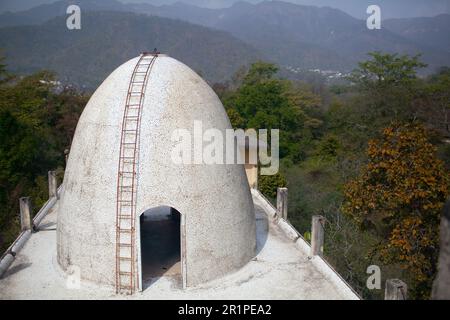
x=160, y=245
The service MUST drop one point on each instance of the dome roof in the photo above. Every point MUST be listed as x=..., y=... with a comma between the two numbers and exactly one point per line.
x=214, y=200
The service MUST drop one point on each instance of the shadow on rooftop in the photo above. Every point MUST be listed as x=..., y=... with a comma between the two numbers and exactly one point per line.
x=262, y=229
x=15, y=269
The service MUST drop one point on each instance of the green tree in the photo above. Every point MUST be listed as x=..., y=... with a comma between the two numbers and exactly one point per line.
x=385, y=70
x=268, y=185
x=260, y=72
x=265, y=102
x=389, y=84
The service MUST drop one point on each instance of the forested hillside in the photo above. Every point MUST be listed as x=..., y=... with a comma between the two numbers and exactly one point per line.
x=294, y=36
x=432, y=32
x=107, y=39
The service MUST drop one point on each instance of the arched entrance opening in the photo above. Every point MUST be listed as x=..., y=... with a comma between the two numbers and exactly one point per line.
x=161, y=243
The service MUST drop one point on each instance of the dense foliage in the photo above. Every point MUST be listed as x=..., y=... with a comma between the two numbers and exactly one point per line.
x=37, y=122
x=265, y=102
x=399, y=195
x=268, y=185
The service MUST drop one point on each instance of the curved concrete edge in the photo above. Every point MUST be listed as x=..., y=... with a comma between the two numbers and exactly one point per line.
x=321, y=264
x=8, y=257
x=267, y=206
x=292, y=233
x=288, y=229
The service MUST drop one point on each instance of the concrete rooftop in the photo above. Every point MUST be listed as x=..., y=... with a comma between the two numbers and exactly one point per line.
x=281, y=270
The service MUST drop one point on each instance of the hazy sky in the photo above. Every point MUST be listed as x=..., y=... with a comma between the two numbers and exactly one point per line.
x=390, y=8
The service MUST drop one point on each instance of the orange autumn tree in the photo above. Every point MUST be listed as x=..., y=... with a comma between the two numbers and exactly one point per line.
x=399, y=194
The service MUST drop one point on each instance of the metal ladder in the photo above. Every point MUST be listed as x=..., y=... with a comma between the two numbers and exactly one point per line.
x=126, y=176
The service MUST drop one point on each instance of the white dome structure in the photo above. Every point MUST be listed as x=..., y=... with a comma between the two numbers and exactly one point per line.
x=120, y=166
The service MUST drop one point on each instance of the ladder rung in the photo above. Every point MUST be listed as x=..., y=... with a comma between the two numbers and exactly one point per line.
x=125, y=231
x=126, y=201
x=128, y=162
x=125, y=287
x=123, y=200
x=127, y=191
x=125, y=217
x=125, y=273
x=134, y=130
x=124, y=259
x=125, y=245
x=128, y=205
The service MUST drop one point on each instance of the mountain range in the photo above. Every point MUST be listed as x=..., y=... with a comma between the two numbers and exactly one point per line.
x=356, y=8
x=107, y=39
x=294, y=36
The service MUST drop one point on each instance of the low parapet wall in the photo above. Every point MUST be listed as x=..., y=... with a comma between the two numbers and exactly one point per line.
x=8, y=256
x=302, y=244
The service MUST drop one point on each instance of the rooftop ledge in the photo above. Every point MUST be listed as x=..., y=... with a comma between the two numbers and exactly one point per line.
x=282, y=269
